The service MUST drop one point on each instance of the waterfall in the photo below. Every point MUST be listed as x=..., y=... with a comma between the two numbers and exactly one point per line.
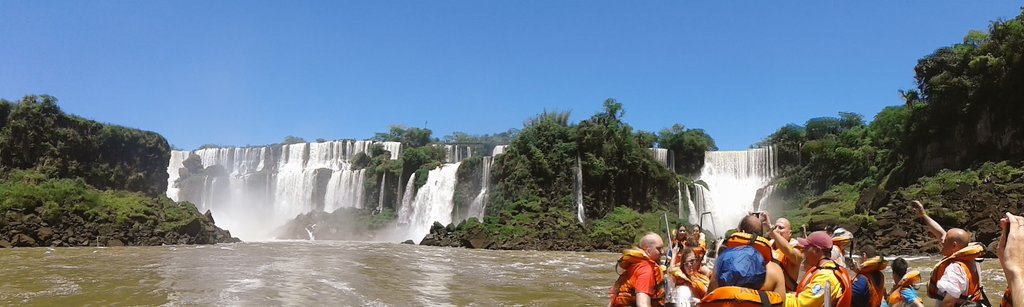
x=309, y=230
x=479, y=204
x=763, y=197
x=177, y=161
x=251, y=190
x=679, y=197
x=380, y=198
x=457, y=153
x=579, y=190
x=498, y=149
x=733, y=179
x=433, y=202
x=408, y=197
x=663, y=156
x=694, y=215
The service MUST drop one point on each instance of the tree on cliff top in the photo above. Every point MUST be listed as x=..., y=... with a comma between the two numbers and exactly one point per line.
x=36, y=134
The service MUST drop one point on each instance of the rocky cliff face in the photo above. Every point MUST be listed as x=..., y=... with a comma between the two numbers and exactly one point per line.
x=974, y=200
x=985, y=135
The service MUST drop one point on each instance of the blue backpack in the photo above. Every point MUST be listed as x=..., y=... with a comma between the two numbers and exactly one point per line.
x=741, y=266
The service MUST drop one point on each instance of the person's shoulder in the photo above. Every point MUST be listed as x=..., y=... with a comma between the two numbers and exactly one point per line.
x=643, y=268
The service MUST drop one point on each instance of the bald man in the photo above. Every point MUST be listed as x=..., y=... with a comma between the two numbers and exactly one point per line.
x=954, y=281
x=785, y=253
x=641, y=278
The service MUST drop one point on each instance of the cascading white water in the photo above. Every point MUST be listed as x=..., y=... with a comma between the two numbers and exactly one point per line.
x=177, y=159
x=690, y=205
x=733, y=178
x=579, y=190
x=498, y=149
x=663, y=156
x=479, y=204
x=433, y=202
x=262, y=187
x=380, y=198
x=457, y=153
x=309, y=231
x=679, y=197
x=408, y=197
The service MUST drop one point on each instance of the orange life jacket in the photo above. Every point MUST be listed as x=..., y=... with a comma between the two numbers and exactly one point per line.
x=780, y=259
x=846, y=299
x=626, y=295
x=738, y=296
x=962, y=258
x=1007, y=299
x=761, y=244
x=697, y=282
x=876, y=291
x=908, y=280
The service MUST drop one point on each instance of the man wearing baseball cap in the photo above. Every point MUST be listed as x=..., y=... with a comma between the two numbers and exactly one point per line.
x=825, y=283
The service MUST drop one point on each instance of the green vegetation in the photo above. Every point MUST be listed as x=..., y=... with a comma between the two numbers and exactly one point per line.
x=625, y=191
x=966, y=110
x=57, y=200
x=36, y=134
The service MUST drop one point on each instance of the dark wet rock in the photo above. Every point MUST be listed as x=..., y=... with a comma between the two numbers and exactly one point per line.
x=22, y=240
x=5, y=244
x=114, y=242
x=408, y=242
x=975, y=207
x=44, y=233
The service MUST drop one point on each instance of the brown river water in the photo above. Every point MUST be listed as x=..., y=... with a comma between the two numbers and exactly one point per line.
x=313, y=273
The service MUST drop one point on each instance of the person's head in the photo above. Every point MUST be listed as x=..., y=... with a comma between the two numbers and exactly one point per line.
x=690, y=261
x=751, y=224
x=842, y=237
x=784, y=227
x=899, y=269
x=817, y=246
x=954, y=240
x=681, y=234
x=867, y=252
x=695, y=229
x=652, y=244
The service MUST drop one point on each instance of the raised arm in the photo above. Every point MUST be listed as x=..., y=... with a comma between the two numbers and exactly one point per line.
x=933, y=227
x=1011, y=255
x=789, y=250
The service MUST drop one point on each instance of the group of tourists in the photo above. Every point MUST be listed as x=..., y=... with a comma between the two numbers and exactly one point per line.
x=761, y=263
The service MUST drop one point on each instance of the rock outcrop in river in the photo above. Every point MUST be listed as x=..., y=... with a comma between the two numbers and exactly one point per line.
x=31, y=230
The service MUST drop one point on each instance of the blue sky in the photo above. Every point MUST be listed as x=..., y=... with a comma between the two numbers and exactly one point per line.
x=246, y=72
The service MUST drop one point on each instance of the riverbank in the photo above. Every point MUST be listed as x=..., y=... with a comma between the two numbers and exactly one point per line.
x=41, y=211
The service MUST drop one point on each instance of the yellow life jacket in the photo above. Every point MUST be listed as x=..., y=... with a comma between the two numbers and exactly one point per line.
x=846, y=299
x=738, y=296
x=626, y=295
x=963, y=258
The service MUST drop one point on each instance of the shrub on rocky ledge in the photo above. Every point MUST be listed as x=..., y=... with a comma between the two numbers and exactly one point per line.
x=42, y=211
